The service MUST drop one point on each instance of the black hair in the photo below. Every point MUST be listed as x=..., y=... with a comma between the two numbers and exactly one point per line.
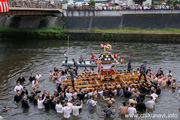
x=132, y=104
x=109, y=106
x=124, y=103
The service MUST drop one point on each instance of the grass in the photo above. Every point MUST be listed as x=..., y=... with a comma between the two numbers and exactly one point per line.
x=132, y=30
x=48, y=29
x=122, y=30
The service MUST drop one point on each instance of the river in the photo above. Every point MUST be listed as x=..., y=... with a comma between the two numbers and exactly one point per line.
x=41, y=56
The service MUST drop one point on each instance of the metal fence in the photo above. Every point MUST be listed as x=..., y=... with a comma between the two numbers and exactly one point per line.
x=35, y=4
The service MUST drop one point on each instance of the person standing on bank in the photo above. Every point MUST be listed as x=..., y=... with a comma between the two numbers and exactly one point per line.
x=75, y=66
x=66, y=56
x=143, y=71
x=130, y=63
x=71, y=72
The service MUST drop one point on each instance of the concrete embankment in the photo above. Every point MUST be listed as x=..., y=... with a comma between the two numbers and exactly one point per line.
x=83, y=22
x=95, y=36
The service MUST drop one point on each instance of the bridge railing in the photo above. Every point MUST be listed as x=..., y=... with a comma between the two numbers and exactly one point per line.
x=35, y=4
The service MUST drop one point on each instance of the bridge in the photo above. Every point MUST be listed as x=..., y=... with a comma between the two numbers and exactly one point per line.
x=33, y=11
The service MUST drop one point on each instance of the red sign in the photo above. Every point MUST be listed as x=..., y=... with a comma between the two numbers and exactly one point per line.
x=4, y=6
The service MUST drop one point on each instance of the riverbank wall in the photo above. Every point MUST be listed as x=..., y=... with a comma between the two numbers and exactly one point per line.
x=95, y=36
x=90, y=19
x=79, y=25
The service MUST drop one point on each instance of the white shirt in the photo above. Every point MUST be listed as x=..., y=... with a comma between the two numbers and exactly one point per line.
x=75, y=95
x=40, y=103
x=18, y=88
x=33, y=83
x=90, y=94
x=59, y=108
x=38, y=77
x=70, y=105
x=69, y=96
x=154, y=95
x=100, y=93
x=75, y=110
x=150, y=104
x=131, y=110
x=66, y=110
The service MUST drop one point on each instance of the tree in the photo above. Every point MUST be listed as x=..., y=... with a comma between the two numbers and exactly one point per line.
x=176, y=2
x=168, y=2
x=91, y=3
x=65, y=1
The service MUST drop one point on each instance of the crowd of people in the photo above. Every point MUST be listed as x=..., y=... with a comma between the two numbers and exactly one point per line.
x=68, y=100
x=139, y=7
x=85, y=5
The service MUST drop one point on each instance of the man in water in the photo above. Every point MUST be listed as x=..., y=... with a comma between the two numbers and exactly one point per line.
x=130, y=63
x=108, y=111
x=25, y=102
x=143, y=71
x=141, y=107
x=91, y=103
x=31, y=78
x=123, y=109
x=110, y=99
x=81, y=60
x=71, y=72
x=21, y=79
x=4, y=110
x=66, y=110
x=150, y=104
x=173, y=84
x=66, y=56
x=38, y=76
x=24, y=92
x=17, y=97
x=76, y=108
x=131, y=110
x=18, y=87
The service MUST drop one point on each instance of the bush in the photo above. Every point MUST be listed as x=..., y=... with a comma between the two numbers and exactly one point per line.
x=176, y=2
x=168, y=2
x=91, y=3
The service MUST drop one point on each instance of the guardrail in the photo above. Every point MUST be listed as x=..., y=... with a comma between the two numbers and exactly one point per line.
x=35, y=4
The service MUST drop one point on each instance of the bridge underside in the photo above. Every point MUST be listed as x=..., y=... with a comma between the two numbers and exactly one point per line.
x=33, y=11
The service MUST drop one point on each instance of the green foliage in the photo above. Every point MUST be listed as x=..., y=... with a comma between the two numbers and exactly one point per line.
x=168, y=2
x=91, y=3
x=157, y=2
x=176, y=2
x=65, y=1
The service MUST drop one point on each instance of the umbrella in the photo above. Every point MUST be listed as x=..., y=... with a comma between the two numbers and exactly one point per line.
x=107, y=4
x=87, y=4
x=103, y=5
x=156, y=3
x=84, y=3
x=98, y=4
x=124, y=4
x=116, y=4
x=163, y=3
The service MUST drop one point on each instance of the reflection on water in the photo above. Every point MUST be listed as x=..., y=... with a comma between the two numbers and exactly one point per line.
x=42, y=56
